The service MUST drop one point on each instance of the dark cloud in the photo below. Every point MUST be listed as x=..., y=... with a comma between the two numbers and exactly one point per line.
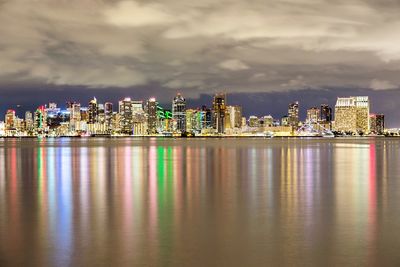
x=199, y=47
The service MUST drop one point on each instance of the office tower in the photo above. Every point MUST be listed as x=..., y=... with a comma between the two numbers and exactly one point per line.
x=352, y=114
x=253, y=121
x=10, y=119
x=268, y=121
x=178, y=113
x=377, y=123
x=101, y=116
x=84, y=114
x=313, y=115
x=219, y=109
x=126, y=115
x=285, y=121
x=207, y=117
x=235, y=116
x=40, y=119
x=293, y=114
x=108, y=114
x=28, y=121
x=137, y=106
x=151, y=110
x=92, y=111
x=326, y=113
x=190, y=115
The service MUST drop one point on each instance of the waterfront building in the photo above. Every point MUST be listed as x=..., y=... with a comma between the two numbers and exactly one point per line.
x=92, y=111
x=326, y=113
x=293, y=114
x=219, y=110
x=207, y=118
x=28, y=121
x=377, y=123
x=313, y=115
x=10, y=120
x=151, y=110
x=235, y=116
x=108, y=115
x=352, y=114
x=126, y=115
x=268, y=121
x=178, y=113
x=285, y=121
x=253, y=121
x=40, y=119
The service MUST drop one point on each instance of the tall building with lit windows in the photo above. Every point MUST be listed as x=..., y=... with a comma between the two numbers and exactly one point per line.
x=126, y=115
x=179, y=113
x=313, y=114
x=10, y=119
x=92, y=111
x=151, y=110
x=219, y=109
x=352, y=114
x=377, y=123
x=293, y=114
x=326, y=113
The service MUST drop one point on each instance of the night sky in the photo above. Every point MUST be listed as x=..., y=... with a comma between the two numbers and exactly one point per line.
x=264, y=54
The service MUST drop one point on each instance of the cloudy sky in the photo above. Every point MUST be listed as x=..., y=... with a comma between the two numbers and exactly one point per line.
x=311, y=50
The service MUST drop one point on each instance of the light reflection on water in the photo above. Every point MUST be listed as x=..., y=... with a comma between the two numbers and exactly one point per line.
x=204, y=202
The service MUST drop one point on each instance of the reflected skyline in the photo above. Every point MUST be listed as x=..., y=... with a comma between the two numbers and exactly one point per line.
x=166, y=202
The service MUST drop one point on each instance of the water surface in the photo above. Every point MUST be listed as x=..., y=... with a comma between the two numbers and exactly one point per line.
x=200, y=202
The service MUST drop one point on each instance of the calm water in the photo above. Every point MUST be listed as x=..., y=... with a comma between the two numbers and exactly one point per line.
x=200, y=202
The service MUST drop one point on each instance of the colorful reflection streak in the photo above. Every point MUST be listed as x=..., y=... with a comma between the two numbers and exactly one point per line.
x=199, y=202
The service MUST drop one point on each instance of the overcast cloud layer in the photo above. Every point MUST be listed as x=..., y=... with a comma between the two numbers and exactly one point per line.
x=237, y=46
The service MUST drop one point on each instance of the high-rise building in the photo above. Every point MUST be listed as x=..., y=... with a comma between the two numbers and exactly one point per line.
x=151, y=110
x=219, y=109
x=10, y=119
x=126, y=115
x=253, y=121
x=178, y=113
x=293, y=114
x=28, y=121
x=377, y=123
x=108, y=114
x=235, y=116
x=352, y=114
x=40, y=119
x=326, y=113
x=313, y=114
x=268, y=121
x=206, y=118
x=101, y=116
x=92, y=111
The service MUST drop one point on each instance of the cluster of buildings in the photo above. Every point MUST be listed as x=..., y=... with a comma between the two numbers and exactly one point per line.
x=136, y=117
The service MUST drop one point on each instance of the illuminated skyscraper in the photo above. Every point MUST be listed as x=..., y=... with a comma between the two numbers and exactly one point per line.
x=151, y=110
x=313, y=114
x=326, y=113
x=178, y=112
x=40, y=119
x=126, y=115
x=293, y=114
x=92, y=111
x=253, y=121
x=28, y=121
x=10, y=119
x=206, y=118
x=108, y=112
x=219, y=109
x=352, y=114
x=235, y=116
x=377, y=122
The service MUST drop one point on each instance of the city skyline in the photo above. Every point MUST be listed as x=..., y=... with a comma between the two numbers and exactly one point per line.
x=350, y=116
x=137, y=47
